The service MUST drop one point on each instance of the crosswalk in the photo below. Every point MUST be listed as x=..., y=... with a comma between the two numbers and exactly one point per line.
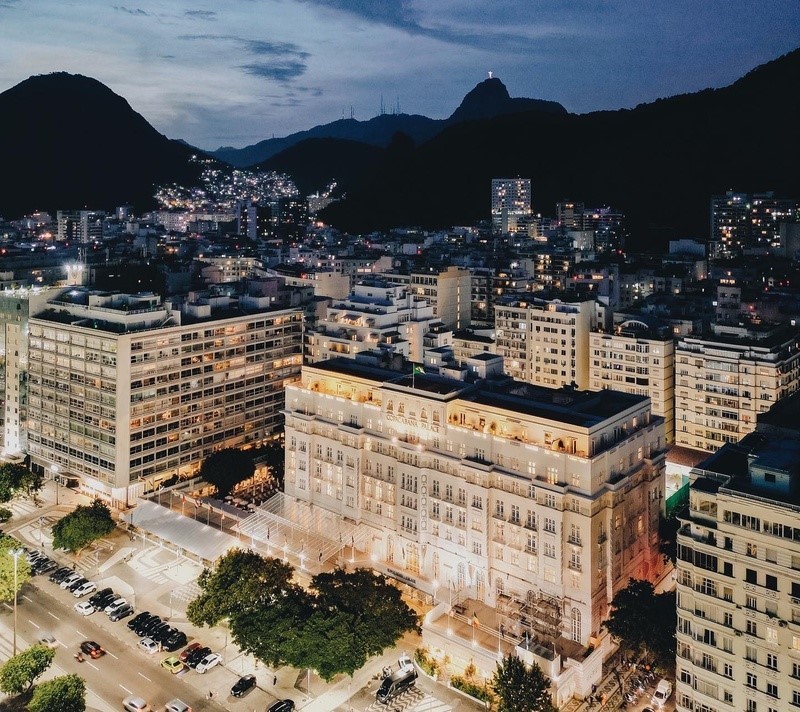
x=412, y=700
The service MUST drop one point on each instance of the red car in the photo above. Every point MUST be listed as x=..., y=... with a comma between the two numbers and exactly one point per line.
x=186, y=654
x=92, y=649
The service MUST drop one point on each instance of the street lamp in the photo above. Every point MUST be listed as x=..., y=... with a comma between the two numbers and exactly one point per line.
x=15, y=553
x=54, y=470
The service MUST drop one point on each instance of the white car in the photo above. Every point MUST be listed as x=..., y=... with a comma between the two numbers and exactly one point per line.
x=115, y=605
x=208, y=662
x=662, y=694
x=88, y=587
x=148, y=645
x=84, y=608
x=72, y=578
x=133, y=703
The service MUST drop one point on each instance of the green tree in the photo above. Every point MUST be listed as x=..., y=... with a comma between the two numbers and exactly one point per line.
x=241, y=582
x=7, y=591
x=21, y=671
x=82, y=526
x=357, y=614
x=275, y=458
x=66, y=693
x=521, y=688
x=16, y=479
x=644, y=622
x=227, y=468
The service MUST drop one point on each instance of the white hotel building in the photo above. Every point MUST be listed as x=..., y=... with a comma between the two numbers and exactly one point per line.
x=517, y=497
x=125, y=391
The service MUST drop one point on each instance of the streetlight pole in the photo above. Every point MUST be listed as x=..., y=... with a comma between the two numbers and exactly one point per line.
x=54, y=470
x=16, y=553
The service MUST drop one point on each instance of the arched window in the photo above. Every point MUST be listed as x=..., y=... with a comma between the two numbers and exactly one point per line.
x=436, y=419
x=423, y=415
x=400, y=409
x=461, y=581
x=575, y=633
x=435, y=566
x=389, y=406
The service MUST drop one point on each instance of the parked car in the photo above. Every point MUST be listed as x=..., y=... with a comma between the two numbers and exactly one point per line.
x=208, y=662
x=134, y=703
x=69, y=580
x=148, y=645
x=97, y=595
x=84, y=589
x=193, y=660
x=282, y=706
x=177, y=705
x=92, y=649
x=101, y=603
x=114, y=605
x=662, y=694
x=175, y=641
x=77, y=583
x=138, y=618
x=243, y=684
x=31, y=555
x=84, y=608
x=149, y=625
x=191, y=650
x=43, y=566
x=157, y=632
x=120, y=613
x=60, y=574
x=172, y=664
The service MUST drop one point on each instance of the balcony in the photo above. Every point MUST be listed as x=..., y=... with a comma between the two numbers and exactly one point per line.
x=576, y=540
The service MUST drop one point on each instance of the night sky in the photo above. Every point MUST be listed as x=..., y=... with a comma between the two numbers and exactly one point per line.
x=238, y=71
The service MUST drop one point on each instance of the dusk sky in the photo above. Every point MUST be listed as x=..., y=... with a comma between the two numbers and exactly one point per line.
x=235, y=72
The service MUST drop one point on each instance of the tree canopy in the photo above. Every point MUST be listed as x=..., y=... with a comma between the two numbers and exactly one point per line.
x=644, y=621
x=227, y=468
x=21, y=671
x=333, y=627
x=521, y=688
x=82, y=526
x=17, y=479
x=7, y=592
x=66, y=693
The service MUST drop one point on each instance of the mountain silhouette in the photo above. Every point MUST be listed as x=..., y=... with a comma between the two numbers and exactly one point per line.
x=489, y=98
x=68, y=141
x=659, y=163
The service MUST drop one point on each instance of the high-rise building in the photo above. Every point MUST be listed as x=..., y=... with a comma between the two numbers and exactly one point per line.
x=738, y=637
x=637, y=358
x=742, y=221
x=511, y=203
x=125, y=391
x=541, y=504
x=80, y=226
x=724, y=380
x=546, y=340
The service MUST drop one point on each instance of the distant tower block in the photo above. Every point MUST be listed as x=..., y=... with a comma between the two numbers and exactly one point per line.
x=490, y=74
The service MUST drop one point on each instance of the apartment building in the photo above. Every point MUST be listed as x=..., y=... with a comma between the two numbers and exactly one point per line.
x=448, y=292
x=127, y=390
x=377, y=316
x=738, y=574
x=723, y=381
x=637, y=358
x=545, y=341
x=523, y=498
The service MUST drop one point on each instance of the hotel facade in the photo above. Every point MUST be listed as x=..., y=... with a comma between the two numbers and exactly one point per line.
x=522, y=498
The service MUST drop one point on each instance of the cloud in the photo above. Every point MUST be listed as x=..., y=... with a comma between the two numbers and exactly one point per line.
x=403, y=15
x=275, y=49
x=201, y=14
x=131, y=11
x=283, y=71
x=8, y=4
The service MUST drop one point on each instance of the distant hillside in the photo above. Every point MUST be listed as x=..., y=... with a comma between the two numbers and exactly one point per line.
x=68, y=141
x=659, y=162
x=488, y=99
x=313, y=163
